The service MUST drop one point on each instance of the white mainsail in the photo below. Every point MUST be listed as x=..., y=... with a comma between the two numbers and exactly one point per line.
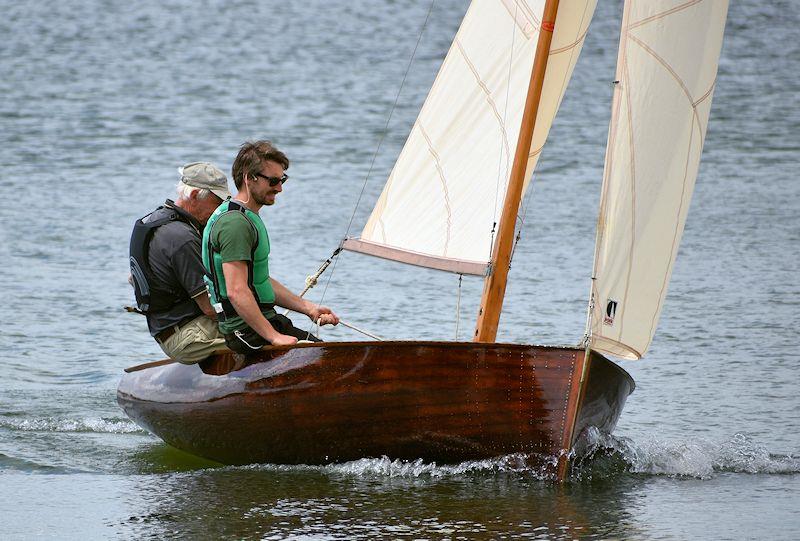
x=444, y=195
x=666, y=69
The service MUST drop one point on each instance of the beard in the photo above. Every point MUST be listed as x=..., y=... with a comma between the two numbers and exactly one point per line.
x=266, y=199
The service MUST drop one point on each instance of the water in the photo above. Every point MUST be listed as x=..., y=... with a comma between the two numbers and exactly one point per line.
x=101, y=102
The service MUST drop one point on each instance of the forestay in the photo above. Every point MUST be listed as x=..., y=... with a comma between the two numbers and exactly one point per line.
x=666, y=69
x=444, y=195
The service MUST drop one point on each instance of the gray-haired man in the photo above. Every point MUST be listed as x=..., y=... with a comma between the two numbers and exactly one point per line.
x=167, y=268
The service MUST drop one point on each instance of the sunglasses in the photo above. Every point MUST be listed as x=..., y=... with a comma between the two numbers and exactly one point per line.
x=274, y=181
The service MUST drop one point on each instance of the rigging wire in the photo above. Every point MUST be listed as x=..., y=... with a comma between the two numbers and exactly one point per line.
x=377, y=150
x=458, y=304
x=521, y=220
x=389, y=118
x=505, y=118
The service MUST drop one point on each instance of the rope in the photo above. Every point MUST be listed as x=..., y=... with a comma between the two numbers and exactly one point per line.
x=458, y=304
x=505, y=114
x=362, y=331
x=351, y=326
x=389, y=118
x=505, y=117
x=521, y=219
x=311, y=281
x=514, y=247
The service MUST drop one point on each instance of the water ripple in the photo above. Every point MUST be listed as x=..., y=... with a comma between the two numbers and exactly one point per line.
x=97, y=425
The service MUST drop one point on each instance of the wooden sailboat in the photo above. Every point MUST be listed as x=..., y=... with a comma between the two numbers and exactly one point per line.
x=451, y=203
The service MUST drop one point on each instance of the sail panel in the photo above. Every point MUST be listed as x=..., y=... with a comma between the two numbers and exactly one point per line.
x=666, y=71
x=445, y=192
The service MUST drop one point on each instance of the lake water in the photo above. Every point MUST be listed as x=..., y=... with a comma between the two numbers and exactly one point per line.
x=102, y=101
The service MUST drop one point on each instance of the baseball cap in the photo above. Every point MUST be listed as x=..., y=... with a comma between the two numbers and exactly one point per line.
x=205, y=176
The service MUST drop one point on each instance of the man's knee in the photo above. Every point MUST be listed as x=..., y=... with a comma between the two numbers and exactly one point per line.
x=194, y=341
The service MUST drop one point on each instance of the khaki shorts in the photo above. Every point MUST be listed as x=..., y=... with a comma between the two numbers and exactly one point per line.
x=194, y=341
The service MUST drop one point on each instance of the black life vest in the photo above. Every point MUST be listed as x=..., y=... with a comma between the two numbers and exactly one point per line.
x=149, y=298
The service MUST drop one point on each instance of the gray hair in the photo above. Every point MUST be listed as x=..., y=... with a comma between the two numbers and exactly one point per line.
x=185, y=191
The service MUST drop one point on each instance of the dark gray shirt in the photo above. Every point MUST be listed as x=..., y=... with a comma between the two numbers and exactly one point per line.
x=175, y=260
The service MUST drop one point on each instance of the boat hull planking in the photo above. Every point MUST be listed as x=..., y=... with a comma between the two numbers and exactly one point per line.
x=334, y=402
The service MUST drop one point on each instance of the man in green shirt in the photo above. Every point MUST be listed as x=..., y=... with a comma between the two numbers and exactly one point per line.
x=236, y=257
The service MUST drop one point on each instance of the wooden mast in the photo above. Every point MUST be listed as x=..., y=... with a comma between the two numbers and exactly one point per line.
x=494, y=286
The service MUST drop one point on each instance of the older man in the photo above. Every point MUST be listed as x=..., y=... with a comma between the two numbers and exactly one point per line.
x=167, y=268
x=236, y=255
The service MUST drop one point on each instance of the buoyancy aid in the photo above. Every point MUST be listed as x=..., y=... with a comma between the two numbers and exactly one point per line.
x=150, y=298
x=257, y=267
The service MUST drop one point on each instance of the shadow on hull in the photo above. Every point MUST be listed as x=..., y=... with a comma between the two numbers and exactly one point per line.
x=334, y=402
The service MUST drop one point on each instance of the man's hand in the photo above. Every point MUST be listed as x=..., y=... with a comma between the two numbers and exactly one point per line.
x=283, y=340
x=323, y=314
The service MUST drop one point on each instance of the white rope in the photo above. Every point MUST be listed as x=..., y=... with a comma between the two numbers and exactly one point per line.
x=362, y=331
x=311, y=280
x=349, y=326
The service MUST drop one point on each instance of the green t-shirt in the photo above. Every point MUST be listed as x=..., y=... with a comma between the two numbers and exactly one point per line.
x=234, y=238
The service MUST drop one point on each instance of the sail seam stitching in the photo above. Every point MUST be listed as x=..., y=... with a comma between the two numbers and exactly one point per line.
x=675, y=233
x=525, y=13
x=667, y=13
x=633, y=190
x=700, y=100
x=489, y=99
x=620, y=345
x=565, y=79
x=444, y=187
x=571, y=45
x=664, y=63
x=708, y=93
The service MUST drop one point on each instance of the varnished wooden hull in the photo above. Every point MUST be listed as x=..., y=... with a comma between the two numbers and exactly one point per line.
x=333, y=402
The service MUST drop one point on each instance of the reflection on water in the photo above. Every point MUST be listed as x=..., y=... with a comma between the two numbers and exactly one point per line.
x=275, y=503
x=606, y=496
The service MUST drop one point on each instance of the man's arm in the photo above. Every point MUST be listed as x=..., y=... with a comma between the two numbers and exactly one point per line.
x=245, y=304
x=287, y=299
x=187, y=264
x=204, y=303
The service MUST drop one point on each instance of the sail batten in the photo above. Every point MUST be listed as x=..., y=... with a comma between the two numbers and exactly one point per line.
x=666, y=69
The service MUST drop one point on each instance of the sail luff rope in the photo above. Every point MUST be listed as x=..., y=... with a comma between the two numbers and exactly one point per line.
x=372, y=164
x=603, y=205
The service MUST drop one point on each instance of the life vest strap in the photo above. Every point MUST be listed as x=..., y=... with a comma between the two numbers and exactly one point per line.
x=228, y=311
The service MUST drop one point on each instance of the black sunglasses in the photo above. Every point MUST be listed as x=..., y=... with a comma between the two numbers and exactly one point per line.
x=274, y=181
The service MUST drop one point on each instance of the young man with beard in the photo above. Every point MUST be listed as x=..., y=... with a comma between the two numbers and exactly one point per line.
x=236, y=257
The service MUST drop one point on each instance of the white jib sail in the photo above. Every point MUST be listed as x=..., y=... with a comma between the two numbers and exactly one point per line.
x=446, y=190
x=666, y=69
